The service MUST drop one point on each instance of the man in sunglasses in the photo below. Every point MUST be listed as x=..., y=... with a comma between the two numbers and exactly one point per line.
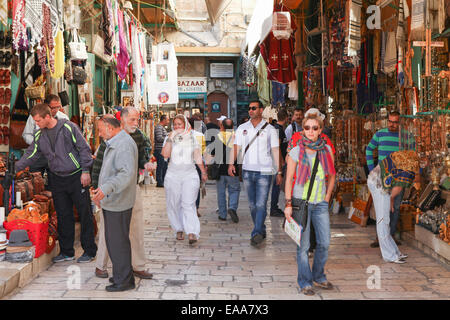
x=259, y=143
x=387, y=142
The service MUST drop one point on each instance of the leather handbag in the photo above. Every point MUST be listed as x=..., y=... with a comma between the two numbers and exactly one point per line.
x=15, y=134
x=25, y=187
x=35, y=92
x=38, y=182
x=300, y=206
x=64, y=97
x=79, y=76
x=213, y=171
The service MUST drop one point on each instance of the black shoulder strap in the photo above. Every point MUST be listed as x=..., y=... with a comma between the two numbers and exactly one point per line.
x=313, y=176
x=254, y=138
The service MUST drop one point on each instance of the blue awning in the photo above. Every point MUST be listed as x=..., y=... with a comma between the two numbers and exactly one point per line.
x=192, y=95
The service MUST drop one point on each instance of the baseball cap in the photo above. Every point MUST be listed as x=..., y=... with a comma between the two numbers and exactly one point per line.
x=221, y=118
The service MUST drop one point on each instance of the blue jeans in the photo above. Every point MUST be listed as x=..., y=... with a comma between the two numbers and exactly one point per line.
x=257, y=186
x=317, y=215
x=234, y=189
x=161, y=167
x=394, y=216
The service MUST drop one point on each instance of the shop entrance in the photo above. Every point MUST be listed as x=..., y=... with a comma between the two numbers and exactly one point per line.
x=217, y=106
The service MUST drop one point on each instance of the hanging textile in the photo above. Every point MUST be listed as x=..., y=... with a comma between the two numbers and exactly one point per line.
x=403, y=14
x=148, y=44
x=33, y=19
x=122, y=58
x=417, y=19
x=441, y=15
x=59, y=56
x=47, y=43
x=400, y=73
x=20, y=39
x=4, y=12
x=354, y=28
x=264, y=86
x=105, y=26
x=278, y=93
x=247, y=70
x=293, y=90
x=115, y=11
x=390, y=59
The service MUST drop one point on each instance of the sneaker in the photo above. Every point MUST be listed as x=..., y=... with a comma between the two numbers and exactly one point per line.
x=403, y=256
x=276, y=213
x=233, y=215
x=325, y=285
x=308, y=291
x=399, y=261
x=62, y=257
x=256, y=239
x=85, y=258
x=222, y=219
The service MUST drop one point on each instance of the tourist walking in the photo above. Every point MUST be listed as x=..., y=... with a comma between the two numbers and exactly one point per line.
x=129, y=122
x=259, y=143
x=296, y=125
x=160, y=136
x=390, y=177
x=116, y=195
x=69, y=160
x=311, y=153
x=182, y=183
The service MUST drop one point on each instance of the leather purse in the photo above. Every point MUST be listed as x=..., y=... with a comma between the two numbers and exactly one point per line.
x=300, y=206
x=213, y=171
x=35, y=92
x=25, y=187
x=38, y=182
x=79, y=76
x=15, y=134
x=64, y=97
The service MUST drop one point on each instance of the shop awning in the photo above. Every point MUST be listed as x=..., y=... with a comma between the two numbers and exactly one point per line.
x=193, y=95
x=260, y=24
x=216, y=8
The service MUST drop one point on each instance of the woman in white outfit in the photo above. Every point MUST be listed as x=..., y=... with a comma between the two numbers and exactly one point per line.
x=182, y=182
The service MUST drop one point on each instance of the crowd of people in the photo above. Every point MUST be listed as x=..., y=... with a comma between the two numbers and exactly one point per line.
x=295, y=156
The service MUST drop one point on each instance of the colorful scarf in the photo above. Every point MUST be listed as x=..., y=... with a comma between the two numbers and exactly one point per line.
x=398, y=169
x=304, y=170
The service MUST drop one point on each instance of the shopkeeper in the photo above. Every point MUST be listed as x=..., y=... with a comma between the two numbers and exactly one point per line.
x=31, y=128
x=390, y=177
x=69, y=160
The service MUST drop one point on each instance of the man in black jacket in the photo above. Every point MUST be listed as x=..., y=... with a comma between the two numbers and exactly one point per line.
x=160, y=136
x=69, y=159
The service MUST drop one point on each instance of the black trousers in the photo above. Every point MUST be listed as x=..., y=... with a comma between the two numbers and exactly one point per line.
x=40, y=165
x=117, y=236
x=67, y=192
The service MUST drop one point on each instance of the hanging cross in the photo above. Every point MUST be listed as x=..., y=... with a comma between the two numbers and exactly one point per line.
x=428, y=44
x=285, y=57
x=274, y=57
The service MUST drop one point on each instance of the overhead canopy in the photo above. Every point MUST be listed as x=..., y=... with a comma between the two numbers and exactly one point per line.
x=260, y=24
x=216, y=8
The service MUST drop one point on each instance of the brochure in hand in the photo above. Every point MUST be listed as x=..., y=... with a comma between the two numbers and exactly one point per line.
x=294, y=230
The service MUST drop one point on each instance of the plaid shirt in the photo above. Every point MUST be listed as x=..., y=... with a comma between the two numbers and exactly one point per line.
x=144, y=148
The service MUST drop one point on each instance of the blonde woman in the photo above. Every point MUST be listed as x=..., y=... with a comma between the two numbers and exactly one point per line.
x=300, y=162
x=182, y=183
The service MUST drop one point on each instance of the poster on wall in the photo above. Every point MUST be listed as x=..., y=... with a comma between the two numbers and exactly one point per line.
x=163, y=88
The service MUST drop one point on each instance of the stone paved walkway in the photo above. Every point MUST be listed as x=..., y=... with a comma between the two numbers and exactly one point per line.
x=224, y=265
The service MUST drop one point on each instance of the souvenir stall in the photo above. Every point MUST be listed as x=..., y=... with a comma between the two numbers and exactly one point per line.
x=357, y=61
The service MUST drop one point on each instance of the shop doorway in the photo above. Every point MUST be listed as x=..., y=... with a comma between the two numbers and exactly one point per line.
x=218, y=105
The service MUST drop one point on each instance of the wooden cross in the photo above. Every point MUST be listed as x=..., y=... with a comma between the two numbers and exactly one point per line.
x=428, y=44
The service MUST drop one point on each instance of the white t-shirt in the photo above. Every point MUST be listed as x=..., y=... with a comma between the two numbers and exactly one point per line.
x=259, y=155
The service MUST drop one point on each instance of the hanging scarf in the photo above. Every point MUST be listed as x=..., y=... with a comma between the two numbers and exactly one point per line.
x=122, y=58
x=4, y=12
x=354, y=28
x=19, y=30
x=399, y=168
x=33, y=19
x=304, y=169
x=390, y=59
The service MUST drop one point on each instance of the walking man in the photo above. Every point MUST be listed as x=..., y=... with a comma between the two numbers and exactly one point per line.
x=69, y=161
x=116, y=195
x=296, y=125
x=387, y=142
x=222, y=151
x=129, y=122
x=160, y=136
x=259, y=143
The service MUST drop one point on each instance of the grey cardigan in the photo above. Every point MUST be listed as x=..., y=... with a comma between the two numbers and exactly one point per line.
x=117, y=177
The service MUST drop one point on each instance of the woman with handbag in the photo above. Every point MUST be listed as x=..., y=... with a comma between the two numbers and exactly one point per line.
x=182, y=183
x=308, y=165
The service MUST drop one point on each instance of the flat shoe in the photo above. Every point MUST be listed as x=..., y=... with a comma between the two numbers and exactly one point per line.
x=403, y=256
x=399, y=261
x=180, y=236
x=324, y=285
x=308, y=291
x=192, y=239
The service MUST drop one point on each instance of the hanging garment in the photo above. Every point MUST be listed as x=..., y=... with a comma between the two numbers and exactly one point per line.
x=148, y=46
x=20, y=39
x=390, y=59
x=264, y=85
x=376, y=51
x=122, y=58
x=105, y=26
x=115, y=12
x=417, y=19
x=278, y=93
x=59, y=56
x=403, y=14
x=47, y=43
x=293, y=90
x=400, y=73
x=33, y=19
x=4, y=12
x=354, y=42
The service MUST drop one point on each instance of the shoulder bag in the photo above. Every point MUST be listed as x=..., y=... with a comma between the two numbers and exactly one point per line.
x=246, y=149
x=300, y=206
x=214, y=168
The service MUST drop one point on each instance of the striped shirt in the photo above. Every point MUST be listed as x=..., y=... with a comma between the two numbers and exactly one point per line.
x=386, y=142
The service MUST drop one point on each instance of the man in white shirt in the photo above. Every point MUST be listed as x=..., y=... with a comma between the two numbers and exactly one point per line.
x=296, y=125
x=31, y=128
x=260, y=148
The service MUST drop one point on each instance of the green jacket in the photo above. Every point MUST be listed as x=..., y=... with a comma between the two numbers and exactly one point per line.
x=144, y=148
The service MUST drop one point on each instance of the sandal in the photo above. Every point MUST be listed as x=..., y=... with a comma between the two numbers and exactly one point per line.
x=2, y=39
x=2, y=96
x=180, y=235
x=5, y=113
x=8, y=57
x=308, y=291
x=192, y=239
x=7, y=78
x=325, y=285
x=2, y=74
x=6, y=135
x=7, y=96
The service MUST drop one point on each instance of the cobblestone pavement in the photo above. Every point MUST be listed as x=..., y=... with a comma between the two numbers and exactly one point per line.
x=223, y=264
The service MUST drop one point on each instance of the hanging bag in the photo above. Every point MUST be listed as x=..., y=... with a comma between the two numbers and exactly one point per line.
x=77, y=48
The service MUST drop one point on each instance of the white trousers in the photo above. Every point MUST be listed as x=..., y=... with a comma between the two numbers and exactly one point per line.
x=136, y=237
x=382, y=203
x=181, y=193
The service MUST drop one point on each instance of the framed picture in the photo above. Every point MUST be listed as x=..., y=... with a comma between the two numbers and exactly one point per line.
x=215, y=107
x=127, y=98
x=161, y=73
x=194, y=111
x=346, y=81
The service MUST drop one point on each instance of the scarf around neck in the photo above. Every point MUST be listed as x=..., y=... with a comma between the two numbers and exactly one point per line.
x=304, y=168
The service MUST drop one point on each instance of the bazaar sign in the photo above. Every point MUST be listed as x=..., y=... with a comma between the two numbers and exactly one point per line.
x=192, y=85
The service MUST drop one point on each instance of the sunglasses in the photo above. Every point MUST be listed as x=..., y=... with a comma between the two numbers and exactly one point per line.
x=252, y=108
x=307, y=128
x=394, y=122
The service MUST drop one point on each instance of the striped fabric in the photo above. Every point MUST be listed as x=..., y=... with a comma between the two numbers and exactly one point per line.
x=33, y=19
x=403, y=14
x=390, y=59
x=4, y=12
x=386, y=142
x=354, y=39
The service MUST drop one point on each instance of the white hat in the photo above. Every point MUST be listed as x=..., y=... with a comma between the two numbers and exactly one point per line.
x=128, y=5
x=315, y=111
x=221, y=118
